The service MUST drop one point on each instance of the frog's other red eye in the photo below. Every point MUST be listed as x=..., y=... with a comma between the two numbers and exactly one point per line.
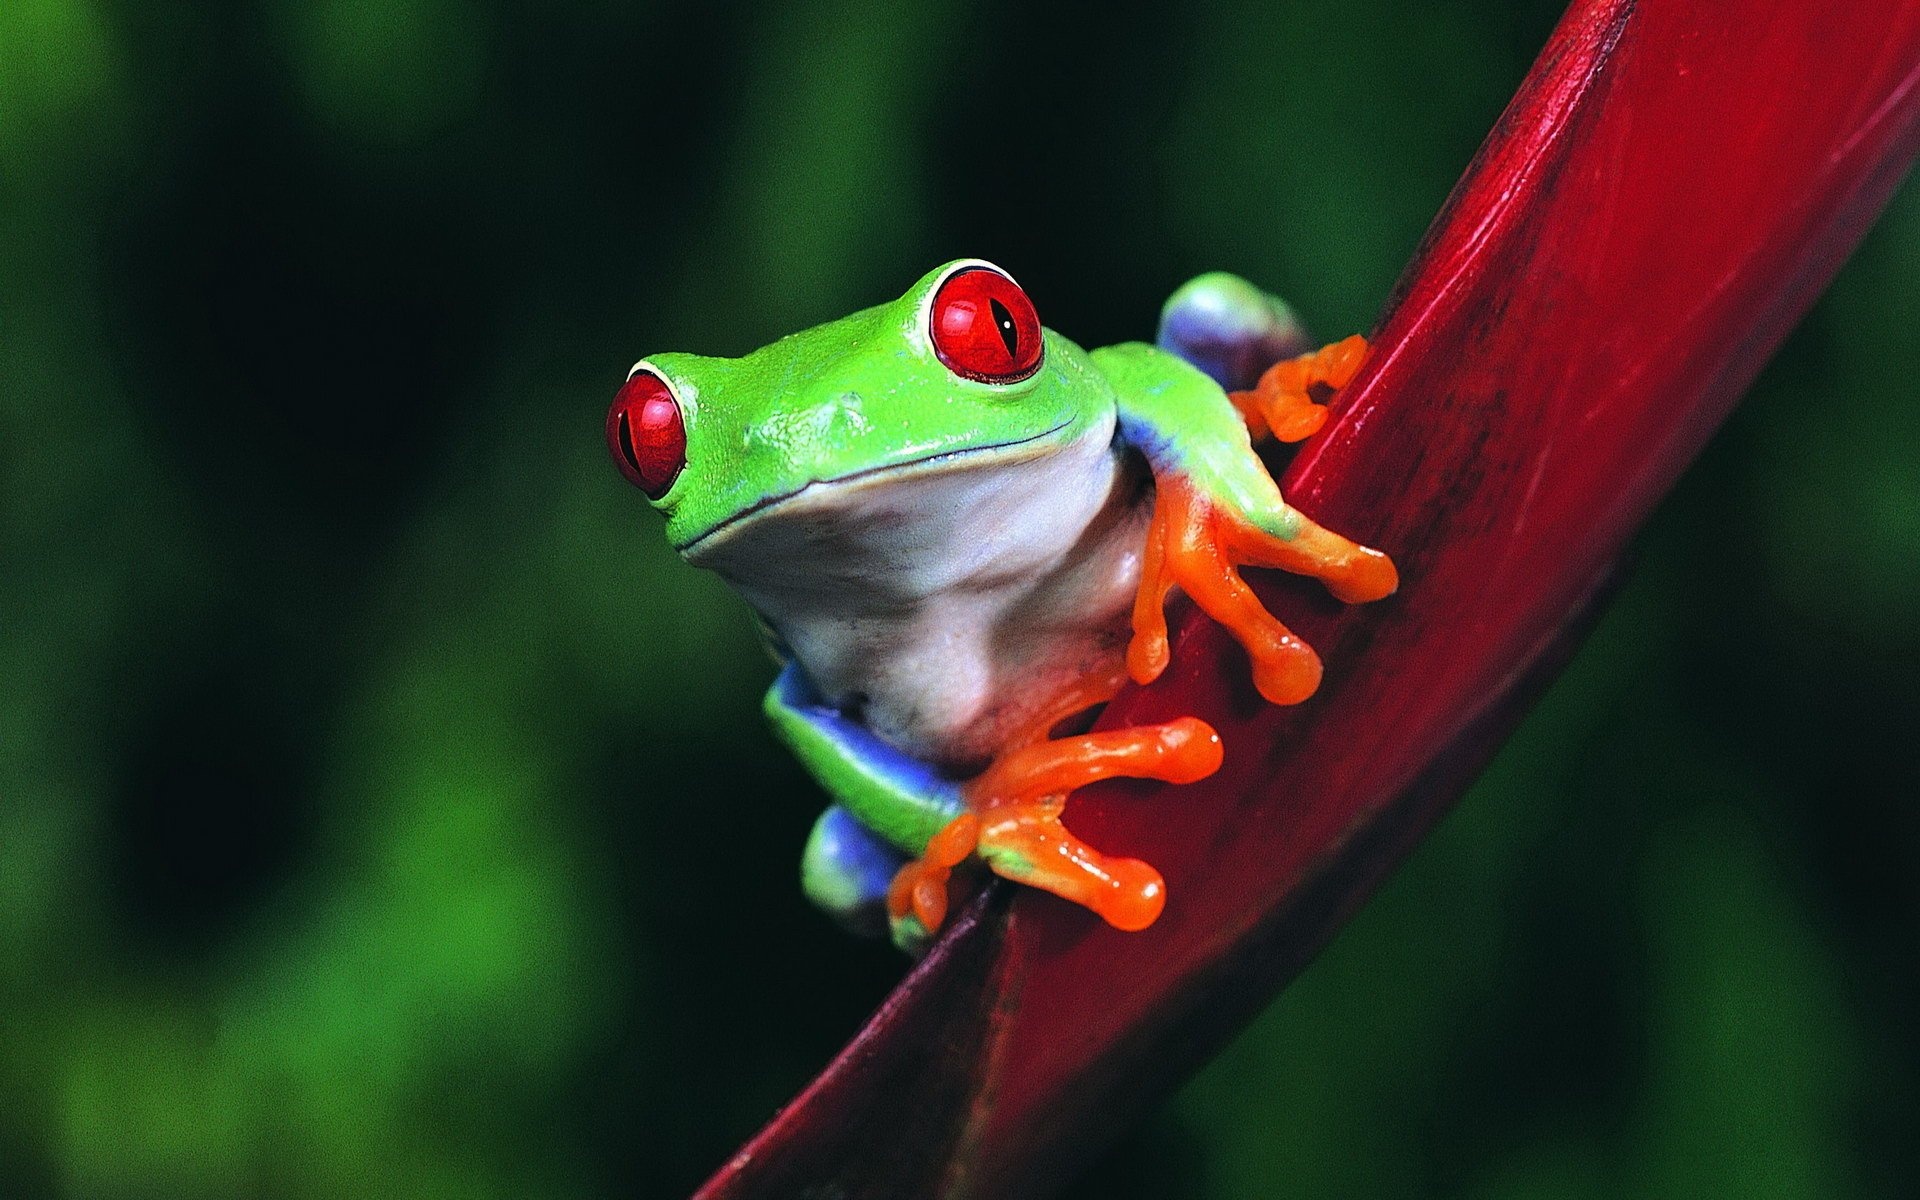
x=984, y=327
x=646, y=434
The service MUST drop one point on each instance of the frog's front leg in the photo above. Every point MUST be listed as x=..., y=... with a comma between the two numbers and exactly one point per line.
x=1018, y=803
x=1013, y=823
x=1013, y=813
x=1009, y=814
x=1216, y=510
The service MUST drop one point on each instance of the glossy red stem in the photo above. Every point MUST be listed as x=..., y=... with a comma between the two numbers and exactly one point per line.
x=1674, y=184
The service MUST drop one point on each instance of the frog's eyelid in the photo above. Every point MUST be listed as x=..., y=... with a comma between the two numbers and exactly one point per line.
x=923, y=314
x=955, y=268
x=685, y=395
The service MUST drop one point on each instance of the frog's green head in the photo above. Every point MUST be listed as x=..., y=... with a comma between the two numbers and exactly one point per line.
x=956, y=373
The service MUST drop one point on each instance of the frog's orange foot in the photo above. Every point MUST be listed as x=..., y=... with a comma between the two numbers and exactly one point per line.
x=1013, y=823
x=1020, y=797
x=1281, y=403
x=1027, y=844
x=1200, y=547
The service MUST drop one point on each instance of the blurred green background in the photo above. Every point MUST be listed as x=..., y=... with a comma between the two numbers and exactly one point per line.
x=385, y=812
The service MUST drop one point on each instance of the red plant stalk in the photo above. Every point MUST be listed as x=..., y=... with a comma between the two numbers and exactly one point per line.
x=1674, y=184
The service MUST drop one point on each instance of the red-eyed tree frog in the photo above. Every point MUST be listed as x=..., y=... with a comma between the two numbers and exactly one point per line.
x=959, y=531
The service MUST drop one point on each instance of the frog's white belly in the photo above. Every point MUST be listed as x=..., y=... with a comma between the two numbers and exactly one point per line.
x=944, y=603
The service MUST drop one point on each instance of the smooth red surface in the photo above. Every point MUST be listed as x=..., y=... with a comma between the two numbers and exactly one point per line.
x=646, y=433
x=984, y=327
x=1671, y=188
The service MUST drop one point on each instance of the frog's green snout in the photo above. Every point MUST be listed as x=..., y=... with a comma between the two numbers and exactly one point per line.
x=647, y=434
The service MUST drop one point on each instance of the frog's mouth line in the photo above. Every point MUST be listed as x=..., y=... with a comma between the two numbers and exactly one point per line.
x=934, y=461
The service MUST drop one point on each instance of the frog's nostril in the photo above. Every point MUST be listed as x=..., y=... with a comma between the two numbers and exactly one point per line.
x=646, y=434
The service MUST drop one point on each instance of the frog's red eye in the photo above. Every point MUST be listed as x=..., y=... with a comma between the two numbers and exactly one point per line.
x=984, y=327
x=646, y=434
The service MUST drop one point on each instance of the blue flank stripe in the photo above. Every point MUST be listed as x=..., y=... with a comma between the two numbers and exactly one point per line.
x=896, y=768
x=1159, y=448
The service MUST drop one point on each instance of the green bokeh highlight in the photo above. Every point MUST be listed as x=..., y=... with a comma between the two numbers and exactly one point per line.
x=384, y=811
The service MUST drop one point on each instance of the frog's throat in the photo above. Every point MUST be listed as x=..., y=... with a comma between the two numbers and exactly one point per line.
x=1017, y=450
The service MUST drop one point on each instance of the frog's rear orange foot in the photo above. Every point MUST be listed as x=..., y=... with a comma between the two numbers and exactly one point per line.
x=1281, y=403
x=1200, y=547
x=1014, y=824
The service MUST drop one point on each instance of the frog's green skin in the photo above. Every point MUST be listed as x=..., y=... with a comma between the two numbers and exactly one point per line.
x=934, y=556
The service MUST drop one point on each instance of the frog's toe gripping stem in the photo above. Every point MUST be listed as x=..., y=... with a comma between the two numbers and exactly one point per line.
x=1027, y=844
x=1014, y=825
x=1281, y=403
x=1200, y=546
x=1021, y=796
x=918, y=895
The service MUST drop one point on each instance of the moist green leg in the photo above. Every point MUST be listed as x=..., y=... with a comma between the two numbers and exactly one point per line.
x=895, y=796
x=1185, y=426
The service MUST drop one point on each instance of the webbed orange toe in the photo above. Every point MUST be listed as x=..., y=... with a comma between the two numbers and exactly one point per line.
x=1027, y=844
x=1369, y=576
x=1137, y=898
x=1281, y=403
x=1021, y=796
x=920, y=887
x=1014, y=824
x=1200, y=547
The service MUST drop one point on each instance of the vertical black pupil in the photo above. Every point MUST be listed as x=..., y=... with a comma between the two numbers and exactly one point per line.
x=1003, y=321
x=626, y=443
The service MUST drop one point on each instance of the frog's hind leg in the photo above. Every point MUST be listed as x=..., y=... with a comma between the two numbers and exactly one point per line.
x=889, y=805
x=1229, y=328
x=846, y=871
x=1200, y=547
